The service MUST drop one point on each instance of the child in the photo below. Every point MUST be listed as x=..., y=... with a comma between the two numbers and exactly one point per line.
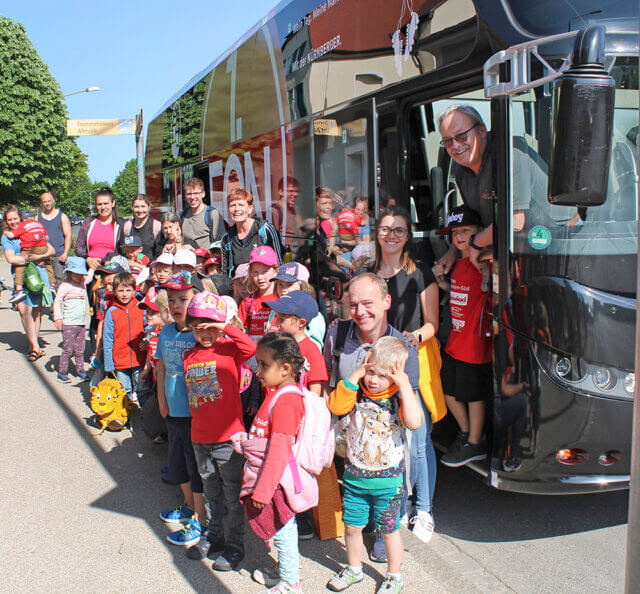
x=184, y=261
x=241, y=289
x=378, y=398
x=263, y=266
x=123, y=334
x=155, y=319
x=213, y=265
x=280, y=364
x=132, y=249
x=295, y=277
x=174, y=340
x=212, y=373
x=202, y=255
x=33, y=241
x=349, y=221
x=467, y=375
x=70, y=309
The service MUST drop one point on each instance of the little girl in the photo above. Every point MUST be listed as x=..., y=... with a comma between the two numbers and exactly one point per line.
x=280, y=363
x=263, y=266
x=70, y=309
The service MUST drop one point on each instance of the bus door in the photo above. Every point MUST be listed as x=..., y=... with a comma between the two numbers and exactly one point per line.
x=344, y=197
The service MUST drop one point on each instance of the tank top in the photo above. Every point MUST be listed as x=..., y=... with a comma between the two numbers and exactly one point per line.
x=54, y=231
x=145, y=233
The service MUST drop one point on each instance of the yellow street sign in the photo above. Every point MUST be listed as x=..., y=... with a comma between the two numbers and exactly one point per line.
x=100, y=127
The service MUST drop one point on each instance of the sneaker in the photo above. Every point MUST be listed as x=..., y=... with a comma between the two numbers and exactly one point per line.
x=267, y=577
x=188, y=535
x=305, y=527
x=181, y=513
x=133, y=398
x=282, y=587
x=159, y=439
x=512, y=464
x=410, y=513
x=345, y=578
x=64, y=378
x=82, y=376
x=423, y=526
x=207, y=546
x=229, y=560
x=390, y=585
x=378, y=552
x=464, y=454
x=459, y=441
x=18, y=297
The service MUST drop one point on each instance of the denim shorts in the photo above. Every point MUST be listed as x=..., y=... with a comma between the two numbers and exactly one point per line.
x=182, y=460
x=385, y=504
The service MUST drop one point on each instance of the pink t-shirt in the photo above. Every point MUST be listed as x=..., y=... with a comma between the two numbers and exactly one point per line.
x=101, y=239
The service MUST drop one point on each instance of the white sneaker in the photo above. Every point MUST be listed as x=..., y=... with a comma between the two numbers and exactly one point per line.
x=404, y=520
x=423, y=526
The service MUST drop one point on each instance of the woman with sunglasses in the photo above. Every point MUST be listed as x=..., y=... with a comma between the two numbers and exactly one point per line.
x=415, y=312
x=100, y=235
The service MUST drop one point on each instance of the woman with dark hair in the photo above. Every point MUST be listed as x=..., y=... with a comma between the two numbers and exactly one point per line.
x=415, y=312
x=171, y=238
x=143, y=224
x=100, y=235
x=30, y=307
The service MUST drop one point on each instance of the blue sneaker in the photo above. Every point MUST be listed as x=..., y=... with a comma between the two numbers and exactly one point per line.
x=181, y=513
x=378, y=551
x=188, y=535
x=82, y=376
x=64, y=378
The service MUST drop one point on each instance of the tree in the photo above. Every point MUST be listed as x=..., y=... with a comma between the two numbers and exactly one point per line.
x=35, y=152
x=125, y=187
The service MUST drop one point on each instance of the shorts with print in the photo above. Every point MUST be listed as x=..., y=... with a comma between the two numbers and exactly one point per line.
x=384, y=503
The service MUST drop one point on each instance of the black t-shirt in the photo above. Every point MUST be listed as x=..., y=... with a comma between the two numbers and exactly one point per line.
x=405, y=313
x=145, y=233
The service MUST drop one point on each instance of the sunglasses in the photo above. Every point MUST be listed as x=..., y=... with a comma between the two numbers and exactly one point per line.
x=459, y=138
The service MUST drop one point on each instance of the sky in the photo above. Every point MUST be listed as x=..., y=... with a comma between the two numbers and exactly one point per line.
x=139, y=54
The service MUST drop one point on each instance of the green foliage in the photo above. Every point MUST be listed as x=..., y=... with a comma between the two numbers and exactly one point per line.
x=35, y=152
x=125, y=187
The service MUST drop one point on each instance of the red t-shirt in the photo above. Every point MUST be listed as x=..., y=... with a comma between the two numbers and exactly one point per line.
x=213, y=379
x=285, y=416
x=317, y=367
x=349, y=221
x=468, y=340
x=152, y=345
x=254, y=315
x=31, y=234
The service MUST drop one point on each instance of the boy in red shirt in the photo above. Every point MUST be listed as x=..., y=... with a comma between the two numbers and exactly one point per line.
x=467, y=370
x=349, y=221
x=252, y=312
x=212, y=374
x=33, y=241
x=132, y=250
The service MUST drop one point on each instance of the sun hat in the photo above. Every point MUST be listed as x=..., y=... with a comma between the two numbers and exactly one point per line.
x=76, y=265
x=264, y=255
x=209, y=306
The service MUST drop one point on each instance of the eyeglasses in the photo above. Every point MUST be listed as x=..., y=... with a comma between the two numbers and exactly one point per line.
x=459, y=138
x=399, y=232
x=193, y=194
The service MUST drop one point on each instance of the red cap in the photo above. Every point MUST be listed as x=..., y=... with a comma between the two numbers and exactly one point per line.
x=149, y=303
x=201, y=253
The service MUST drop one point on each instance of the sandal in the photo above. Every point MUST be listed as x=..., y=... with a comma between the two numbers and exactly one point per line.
x=35, y=355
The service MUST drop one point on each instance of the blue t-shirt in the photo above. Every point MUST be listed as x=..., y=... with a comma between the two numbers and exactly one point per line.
x=13, y=245
x=172, y=343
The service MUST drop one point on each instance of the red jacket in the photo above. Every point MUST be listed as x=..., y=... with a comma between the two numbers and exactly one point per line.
x=123, y=336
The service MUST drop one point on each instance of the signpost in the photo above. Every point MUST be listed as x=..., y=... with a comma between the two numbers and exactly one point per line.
x=112, y=127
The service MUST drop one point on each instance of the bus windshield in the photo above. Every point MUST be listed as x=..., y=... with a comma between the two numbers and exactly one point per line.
x=596, y=246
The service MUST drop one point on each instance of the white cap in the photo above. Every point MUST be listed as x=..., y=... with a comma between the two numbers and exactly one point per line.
x=143, y=275
x=232, y=307
x=185, y=257
x=165, y=258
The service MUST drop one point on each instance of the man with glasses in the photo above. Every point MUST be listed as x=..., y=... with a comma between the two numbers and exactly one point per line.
x=201, y=223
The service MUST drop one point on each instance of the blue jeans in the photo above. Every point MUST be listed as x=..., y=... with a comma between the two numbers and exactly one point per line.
x=286, y=543
x=129, y=379
x=423, y=466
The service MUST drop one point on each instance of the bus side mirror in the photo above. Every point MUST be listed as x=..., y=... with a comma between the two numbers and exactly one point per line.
x=582, y=125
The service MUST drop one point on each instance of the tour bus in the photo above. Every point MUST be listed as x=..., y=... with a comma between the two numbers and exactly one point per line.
x=326, y=101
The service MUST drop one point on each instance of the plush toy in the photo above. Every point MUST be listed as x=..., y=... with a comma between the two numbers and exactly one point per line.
x=110, y=403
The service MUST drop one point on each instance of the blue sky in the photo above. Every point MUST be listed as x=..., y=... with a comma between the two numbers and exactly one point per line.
x=139, y=54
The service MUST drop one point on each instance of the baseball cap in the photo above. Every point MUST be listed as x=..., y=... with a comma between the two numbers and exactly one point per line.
x=26, y=213
x=149, y=303
x=460, y=216
x=242, y=271
x=296, y=303
x=132, y=241
x=113, y=267
x=232, y=307
x=208, y=305
x=179, y=282
x=76, y=265
x=216, y=245
x=292, y=272
x=213, y=261
x=185, y=257
x=265, y=255
x=165, y=258
x=201, y=253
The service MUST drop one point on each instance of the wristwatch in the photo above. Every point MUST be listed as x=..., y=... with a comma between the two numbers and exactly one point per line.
x=472, y=242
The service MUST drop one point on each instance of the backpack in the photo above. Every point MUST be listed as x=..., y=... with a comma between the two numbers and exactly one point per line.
x=156, y=227
x=315, y=445
x=338, y=347
x=226, y=245
x=211, y=220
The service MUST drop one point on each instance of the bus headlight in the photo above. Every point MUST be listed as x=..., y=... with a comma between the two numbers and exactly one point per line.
x=629, y=383
x=603, y=378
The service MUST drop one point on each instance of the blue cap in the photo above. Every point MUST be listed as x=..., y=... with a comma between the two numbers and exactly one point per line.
x=26, y=213
x=296, y=303
x=77, y=265
x=132, y=241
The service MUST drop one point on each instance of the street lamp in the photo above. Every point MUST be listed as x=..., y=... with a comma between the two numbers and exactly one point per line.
x=87, y=90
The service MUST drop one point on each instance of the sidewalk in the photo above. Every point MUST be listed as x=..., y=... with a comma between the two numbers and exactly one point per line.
x=81, y=512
